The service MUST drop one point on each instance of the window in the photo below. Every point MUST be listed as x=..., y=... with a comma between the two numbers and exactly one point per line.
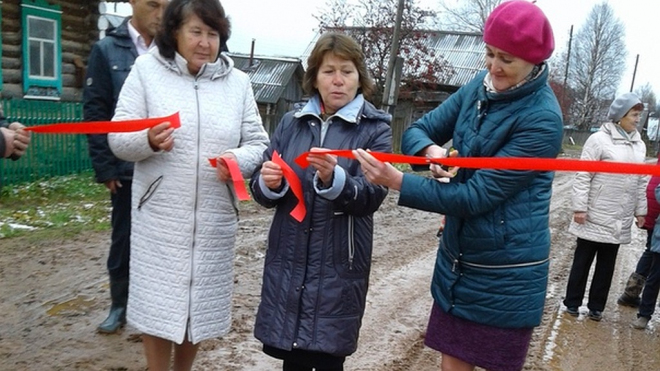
x=42, y=49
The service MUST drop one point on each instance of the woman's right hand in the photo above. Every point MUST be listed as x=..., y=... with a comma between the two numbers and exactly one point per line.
x=439, y=172
x=580, y=217
x=160, y=137
x=272, y=174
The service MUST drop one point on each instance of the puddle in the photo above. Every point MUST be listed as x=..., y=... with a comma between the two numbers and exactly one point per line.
x=78, y=305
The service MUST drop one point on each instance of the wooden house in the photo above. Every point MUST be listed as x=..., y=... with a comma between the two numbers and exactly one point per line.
x=45, y=45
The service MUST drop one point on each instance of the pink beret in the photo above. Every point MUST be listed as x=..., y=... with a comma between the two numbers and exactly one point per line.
x=521, y=29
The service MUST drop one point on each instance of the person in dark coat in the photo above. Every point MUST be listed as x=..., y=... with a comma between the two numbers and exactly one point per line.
x=109, y=63
x=491, y=270
x=652, y=277
x=316, y=271
x=637, y=280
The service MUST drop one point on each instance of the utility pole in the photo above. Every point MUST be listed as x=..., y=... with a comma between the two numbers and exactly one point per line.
x=568, y=60
x=386, y=102
x=632, y=84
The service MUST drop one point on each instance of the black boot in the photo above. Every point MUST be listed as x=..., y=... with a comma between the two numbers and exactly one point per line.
x=634, y=286
x=117, y=316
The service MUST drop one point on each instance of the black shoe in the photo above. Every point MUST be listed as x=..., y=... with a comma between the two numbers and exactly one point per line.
x=116, y=319
x=573, y=311
x=628, y=301
x=595, y=315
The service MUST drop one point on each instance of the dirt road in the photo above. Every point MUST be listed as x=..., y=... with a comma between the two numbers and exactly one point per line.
x=54, y=293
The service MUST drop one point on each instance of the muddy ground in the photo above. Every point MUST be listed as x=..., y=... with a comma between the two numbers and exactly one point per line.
x=54, y=293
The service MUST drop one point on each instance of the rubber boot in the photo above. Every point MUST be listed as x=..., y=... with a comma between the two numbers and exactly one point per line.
x=634, y=286
x=117, y=316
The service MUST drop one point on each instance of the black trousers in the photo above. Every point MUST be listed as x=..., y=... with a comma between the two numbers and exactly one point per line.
x=644, y=263
x=305, y=360
x=120, y=244
x=651, y=288
x=586, y=251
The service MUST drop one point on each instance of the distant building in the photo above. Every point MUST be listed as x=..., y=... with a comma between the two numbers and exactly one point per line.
x=276, y=82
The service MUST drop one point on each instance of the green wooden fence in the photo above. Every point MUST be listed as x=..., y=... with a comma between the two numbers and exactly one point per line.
x=48, y=154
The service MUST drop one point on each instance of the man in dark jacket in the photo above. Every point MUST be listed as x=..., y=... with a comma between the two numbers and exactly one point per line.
x=110, y=62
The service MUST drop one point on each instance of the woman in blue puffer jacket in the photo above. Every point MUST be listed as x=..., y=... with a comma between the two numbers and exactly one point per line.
x=491, y=269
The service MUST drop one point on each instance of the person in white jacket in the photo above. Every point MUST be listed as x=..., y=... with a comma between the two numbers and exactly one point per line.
x=184, y=212
x=605, y=205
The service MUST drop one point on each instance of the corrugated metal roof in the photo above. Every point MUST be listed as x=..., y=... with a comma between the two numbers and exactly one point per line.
x=464, y=51
x=269, y=76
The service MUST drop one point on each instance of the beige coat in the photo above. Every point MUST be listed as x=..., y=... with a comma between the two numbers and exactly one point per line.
x=610, y=200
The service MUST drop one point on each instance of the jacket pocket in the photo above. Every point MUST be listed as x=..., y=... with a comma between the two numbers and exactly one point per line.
x=151, y=190
x=593, y=201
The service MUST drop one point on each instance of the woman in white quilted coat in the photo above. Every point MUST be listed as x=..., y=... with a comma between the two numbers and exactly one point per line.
x=184, y=215
x=605, y=205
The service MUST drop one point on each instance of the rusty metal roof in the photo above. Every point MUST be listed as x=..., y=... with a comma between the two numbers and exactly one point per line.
x=464, y=51
x=269, y=75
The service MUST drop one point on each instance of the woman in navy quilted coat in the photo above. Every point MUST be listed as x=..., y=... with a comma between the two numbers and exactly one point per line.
x=316, y=272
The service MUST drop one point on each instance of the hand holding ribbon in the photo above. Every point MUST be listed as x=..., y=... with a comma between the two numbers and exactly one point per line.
x=299, y=210
x=105, y=127
x=229, y=163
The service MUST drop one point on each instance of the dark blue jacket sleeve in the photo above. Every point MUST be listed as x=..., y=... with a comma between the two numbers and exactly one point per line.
x=3, y=124
x=98, y=105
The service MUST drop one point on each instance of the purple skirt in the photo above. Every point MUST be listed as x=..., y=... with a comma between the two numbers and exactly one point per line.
x=492, y=348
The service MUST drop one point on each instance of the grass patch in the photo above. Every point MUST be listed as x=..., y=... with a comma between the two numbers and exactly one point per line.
x=58, y=206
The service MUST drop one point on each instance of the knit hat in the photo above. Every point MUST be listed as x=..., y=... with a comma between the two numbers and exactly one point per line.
x=521, y=29
x=621, y=105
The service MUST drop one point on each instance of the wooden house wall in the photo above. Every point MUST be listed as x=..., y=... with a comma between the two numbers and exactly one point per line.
x=79, y=32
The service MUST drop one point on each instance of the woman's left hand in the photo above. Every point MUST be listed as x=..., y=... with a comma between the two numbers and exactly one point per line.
x=222, y=169
x=377, y=172
x=640, y=220
x=323, y=163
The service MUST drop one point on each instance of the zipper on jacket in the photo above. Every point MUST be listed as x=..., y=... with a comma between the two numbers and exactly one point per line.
x=351, y=242
x=504, y=266
x=194, y=213
x=457, y=261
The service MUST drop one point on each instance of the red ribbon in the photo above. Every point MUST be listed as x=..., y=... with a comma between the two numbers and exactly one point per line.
x=299, y=211
x=508, y=163
x=236, y=177
x=104, y=127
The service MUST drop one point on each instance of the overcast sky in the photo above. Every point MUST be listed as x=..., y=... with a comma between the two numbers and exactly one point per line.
x=285, y=28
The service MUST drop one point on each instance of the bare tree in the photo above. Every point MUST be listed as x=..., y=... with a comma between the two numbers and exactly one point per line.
x=465, y=15
x=646, y=95
x=597, y=65
x=371, y=23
